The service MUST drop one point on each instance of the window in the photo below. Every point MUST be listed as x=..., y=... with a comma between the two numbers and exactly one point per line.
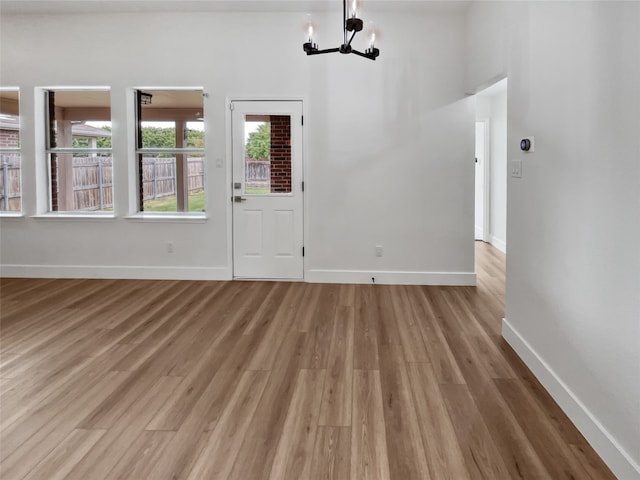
x=170, y=150
x=79, y=150
x=10, y=181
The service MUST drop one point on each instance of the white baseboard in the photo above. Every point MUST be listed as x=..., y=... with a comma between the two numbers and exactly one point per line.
x=118, y=272
x=499, y=244
x=223, y=273
x=479, y=233
x=618, y=460
x=391, y=277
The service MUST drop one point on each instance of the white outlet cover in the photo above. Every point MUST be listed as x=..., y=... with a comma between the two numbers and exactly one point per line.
x=516, y=168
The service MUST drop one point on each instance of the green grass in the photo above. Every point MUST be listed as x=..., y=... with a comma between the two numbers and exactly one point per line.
x=258, y=190
x=196, y=201
x=169, y=204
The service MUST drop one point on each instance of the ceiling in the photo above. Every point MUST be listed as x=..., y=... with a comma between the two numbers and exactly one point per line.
x=82, y=98
x=67, y=7
x=189, y=99
x=494, y=88
x=9, y=102
x=175, y=99
x=94, y=105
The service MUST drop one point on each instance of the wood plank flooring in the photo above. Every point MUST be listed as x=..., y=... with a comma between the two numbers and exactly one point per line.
x=136, y=380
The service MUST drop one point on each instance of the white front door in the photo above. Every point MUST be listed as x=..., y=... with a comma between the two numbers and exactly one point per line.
x=267, y=189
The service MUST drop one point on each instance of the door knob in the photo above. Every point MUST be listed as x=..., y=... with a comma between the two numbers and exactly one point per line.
x=238, y=199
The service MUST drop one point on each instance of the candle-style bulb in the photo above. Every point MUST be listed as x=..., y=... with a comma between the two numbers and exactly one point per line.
x=309, y=29
x=374, y=36
x=354, y=9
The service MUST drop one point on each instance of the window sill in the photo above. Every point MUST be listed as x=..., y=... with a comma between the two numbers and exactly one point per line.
x=5, y=215
x=168, y=217
x=54, y=216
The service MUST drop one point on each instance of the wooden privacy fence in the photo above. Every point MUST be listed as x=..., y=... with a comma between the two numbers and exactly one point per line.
x=159, y=176
x=93, y=180
x=92, y=183
x=258, y=173
x=10, y=194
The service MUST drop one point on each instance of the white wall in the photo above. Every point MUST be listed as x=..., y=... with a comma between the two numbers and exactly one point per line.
x=387, y=148
x=499, y=170
x=573, y=265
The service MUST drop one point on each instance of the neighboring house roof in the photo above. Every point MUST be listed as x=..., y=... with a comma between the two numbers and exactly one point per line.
x=10, y=122
x=83, y=130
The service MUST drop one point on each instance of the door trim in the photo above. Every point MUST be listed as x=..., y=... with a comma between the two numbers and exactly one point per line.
x=486, y=172
x=228, y=167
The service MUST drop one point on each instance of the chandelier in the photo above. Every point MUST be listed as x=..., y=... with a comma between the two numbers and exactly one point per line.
x=351, y=25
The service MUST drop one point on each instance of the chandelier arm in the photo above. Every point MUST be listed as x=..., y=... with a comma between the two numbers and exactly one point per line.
x=365, y=55
x=327, y=50
x=351, y=39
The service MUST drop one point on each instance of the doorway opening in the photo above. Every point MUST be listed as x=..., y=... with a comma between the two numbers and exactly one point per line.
x=491, y=165
x=482, y=172
x=267, y=212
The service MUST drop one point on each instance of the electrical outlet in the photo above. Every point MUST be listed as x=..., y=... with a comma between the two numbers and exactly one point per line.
x=170, y=247
x=378, y=250
x=516, y=168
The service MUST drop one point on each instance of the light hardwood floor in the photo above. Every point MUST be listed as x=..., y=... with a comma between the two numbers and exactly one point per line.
x=116, y=379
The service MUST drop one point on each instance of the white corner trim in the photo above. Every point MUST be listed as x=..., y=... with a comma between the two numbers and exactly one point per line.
x=618, y=460
x=391, y=277
x=499, y=244
x=116, y=272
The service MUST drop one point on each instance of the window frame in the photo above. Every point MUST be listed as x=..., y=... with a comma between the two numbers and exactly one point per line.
x=13, y=150
x=140, y=151
x=51, y=151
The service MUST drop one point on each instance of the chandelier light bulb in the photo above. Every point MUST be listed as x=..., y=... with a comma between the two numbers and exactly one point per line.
x=354, y=8
x=309, y=29
x=374, y=36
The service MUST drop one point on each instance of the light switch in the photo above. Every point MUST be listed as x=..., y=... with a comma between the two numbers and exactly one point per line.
x=516, y=168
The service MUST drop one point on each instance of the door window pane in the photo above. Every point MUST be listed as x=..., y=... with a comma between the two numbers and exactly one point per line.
x=267, y=154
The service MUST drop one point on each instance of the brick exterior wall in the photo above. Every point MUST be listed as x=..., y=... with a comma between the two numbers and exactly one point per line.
x=9, y=138
x=53, y=164
x=280, y=153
